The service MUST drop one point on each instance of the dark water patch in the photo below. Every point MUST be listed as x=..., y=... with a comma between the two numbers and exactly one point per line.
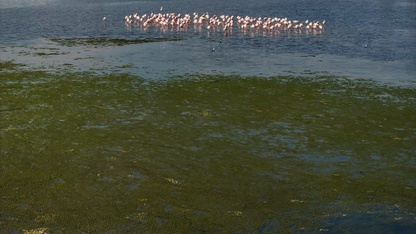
x=105, y=42
x=353, y=219
x=44, y=54
x=203, y=153
x=370, y=219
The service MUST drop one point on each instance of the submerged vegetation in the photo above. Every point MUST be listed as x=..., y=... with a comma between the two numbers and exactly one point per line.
x=104, y=42
x=8, y=66
x=82, y=152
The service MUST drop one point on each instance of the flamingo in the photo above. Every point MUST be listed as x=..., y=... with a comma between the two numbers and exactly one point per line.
x=224, y=23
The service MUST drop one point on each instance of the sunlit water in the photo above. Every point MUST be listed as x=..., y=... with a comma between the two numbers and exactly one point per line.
x=362, y=39
x=200, y=151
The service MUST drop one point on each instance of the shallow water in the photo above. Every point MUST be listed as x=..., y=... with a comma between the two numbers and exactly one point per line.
x=372, y=40
x=117, y=153
x=271, y=133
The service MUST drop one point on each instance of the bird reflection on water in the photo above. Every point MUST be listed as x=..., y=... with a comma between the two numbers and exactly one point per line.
x=222, y=23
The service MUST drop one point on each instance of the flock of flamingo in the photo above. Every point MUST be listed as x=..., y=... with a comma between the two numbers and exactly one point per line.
x=222, y=23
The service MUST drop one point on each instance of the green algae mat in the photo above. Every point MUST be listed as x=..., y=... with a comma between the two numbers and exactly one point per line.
x=88, y=153
x=104, y=42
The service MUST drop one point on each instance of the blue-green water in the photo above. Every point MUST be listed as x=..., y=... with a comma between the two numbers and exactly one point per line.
x=371, y=40
x=108, y=129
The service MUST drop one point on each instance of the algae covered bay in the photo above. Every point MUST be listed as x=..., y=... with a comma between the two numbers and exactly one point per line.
x=215, y=116
x=116, y=153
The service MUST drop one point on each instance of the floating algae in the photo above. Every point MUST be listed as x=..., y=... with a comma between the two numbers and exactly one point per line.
x=105, y=42
x=8, y=65
x=219, y=154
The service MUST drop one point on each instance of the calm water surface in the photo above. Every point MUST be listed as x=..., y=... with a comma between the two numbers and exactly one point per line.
x=208, y=149
x=363, y=39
